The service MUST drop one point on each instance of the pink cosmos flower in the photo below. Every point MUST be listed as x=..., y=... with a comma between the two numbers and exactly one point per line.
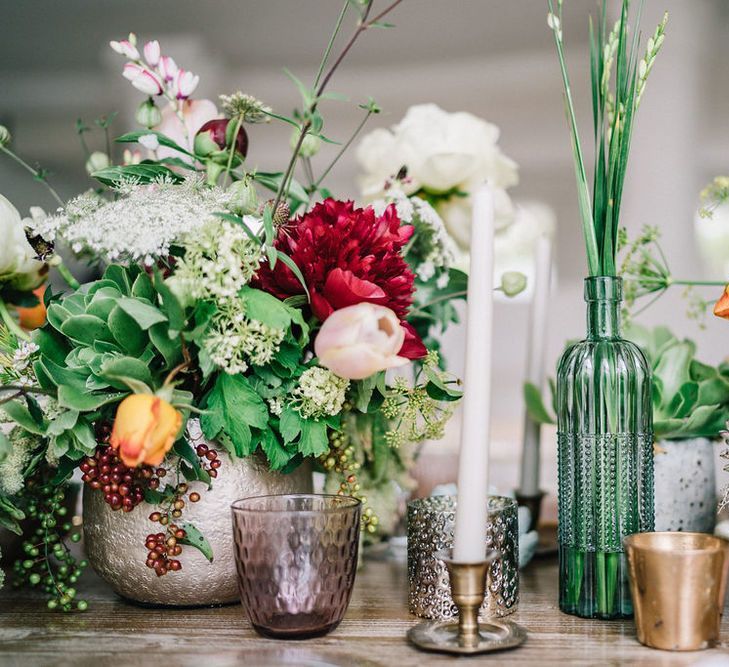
x=142, y=79
x=185, y=84
x=152, y=53
x=125, y=48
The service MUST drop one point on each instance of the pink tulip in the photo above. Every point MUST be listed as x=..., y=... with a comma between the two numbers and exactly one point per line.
x=185, y=84
x=125, y=48
x=358, y=341
x=196, y=113
x=152, y=53
x=167, y=67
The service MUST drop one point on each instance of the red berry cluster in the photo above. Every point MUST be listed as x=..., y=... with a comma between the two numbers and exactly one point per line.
x=123, y=487
x=162, y=549
x=211, y=456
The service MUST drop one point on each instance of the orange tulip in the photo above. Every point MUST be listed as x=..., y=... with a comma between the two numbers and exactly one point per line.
x=721, y=309
x=144, y=430
x=35, y=316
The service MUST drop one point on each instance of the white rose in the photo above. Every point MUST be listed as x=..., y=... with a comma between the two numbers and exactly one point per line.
x=18, y=267
x=377, y=156
x=441, y=151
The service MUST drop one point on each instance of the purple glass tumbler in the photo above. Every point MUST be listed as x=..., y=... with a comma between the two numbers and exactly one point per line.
x=296, y=557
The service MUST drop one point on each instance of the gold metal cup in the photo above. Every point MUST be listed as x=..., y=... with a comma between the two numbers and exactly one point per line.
x=678, y=582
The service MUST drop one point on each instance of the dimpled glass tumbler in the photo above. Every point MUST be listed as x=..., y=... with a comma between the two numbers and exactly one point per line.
x=296, y=557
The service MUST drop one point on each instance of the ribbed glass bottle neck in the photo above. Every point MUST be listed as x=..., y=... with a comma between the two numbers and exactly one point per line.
x=603, y=295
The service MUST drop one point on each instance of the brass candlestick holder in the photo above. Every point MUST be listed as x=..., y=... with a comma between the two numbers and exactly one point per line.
x=466, y=636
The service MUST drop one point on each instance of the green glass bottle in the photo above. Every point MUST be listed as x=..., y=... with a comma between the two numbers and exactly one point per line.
x=605, y=454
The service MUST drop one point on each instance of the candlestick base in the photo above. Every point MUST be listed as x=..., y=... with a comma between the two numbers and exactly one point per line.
x=467, y=636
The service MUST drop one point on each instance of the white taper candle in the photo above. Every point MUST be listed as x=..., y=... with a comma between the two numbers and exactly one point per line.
x=530, y=456
x=469, y=543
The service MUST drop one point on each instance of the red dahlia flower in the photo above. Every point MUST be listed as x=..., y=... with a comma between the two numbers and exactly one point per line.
x=347, y=255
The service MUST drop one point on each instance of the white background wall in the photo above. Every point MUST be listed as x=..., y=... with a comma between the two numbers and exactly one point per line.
x=491, y=57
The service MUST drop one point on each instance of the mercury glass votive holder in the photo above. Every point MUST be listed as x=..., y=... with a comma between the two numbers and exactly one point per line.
x=430, y=529
x=296, y=557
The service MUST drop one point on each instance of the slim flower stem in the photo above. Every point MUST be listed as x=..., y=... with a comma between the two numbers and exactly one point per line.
x=66, y=274
x=700, y=283
x=36, y=174
x=445, y=297
x=233, y=143
x=344, y=148
x=10, y=322
x=328, y=50
x=364, y=24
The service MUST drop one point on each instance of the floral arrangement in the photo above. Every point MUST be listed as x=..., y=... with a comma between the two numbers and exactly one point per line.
x=269, y=322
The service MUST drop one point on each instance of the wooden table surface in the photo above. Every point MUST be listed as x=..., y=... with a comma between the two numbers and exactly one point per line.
x=115, y=632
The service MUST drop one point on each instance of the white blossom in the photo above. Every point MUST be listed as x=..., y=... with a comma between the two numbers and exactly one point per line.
x=13, y=466
x=320, y=393
x=219, y=259
x=140, y=225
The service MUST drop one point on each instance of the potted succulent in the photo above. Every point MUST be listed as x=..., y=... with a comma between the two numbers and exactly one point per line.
x=690, y=408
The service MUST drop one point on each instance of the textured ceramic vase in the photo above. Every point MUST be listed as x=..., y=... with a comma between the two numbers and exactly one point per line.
x=685, y=485
x=605, y=439
x=115, y=541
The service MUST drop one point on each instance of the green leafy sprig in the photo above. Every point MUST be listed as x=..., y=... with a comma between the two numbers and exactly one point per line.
x=618, y=76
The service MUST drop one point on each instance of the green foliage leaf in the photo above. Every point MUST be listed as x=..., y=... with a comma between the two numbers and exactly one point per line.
x=117, y=369
x=20, y=414
x=74, y=399
x=195, y=538
x=363, y=390
x=535, y=405
x=143, y=313
x=171, y=307
x=119, y=275
x=164, y=140
x=290, y=424
x=272, y=181
x=86, y=329
x=277, y=455
x=5, y=446
x=126, y=332
x=314, y=440
x=51, y=344
x=190, y=467
x=234, y=407
x=168, y=347
x=139, y=173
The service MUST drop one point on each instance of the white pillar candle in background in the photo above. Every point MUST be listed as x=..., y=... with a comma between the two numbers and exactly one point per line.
x=469, y=543
x=537, y=334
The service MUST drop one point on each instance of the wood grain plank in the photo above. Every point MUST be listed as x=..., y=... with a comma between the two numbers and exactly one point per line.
x=116, y=632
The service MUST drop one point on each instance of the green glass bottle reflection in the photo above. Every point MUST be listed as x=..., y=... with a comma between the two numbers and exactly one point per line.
x=605, y=440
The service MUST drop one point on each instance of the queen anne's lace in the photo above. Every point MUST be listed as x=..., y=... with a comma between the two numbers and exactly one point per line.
x=140, y=225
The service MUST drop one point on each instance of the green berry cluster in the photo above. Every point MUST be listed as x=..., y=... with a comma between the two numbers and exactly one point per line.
x=340, y=459
x=47, y=562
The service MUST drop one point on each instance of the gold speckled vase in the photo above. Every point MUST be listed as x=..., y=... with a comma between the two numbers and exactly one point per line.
x=115, y=541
